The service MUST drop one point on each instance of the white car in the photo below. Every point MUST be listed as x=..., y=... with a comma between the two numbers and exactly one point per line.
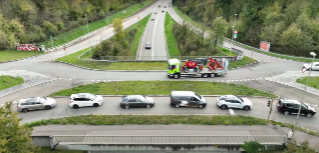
x=232, y=101
x=85, y=99
x=315, y=66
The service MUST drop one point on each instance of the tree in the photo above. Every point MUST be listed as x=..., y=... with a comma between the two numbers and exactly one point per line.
x=118, y=31
x=219, y=27
x=13, y=137
x=253, y=147
x=302, y=148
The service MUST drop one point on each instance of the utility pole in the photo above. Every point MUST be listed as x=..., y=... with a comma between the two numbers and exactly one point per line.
x=51, y=41
x=269, y=104
x=87, y=25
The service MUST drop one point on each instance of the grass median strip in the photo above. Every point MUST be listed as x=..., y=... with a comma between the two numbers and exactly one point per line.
x=164, y=120
x=313, y=81
x=14, y=55
x=172, y=43
x=9, y=81
x=162, y=87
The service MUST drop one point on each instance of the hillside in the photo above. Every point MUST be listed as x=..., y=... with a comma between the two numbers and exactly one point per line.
x=33, y=21
x=291, y=26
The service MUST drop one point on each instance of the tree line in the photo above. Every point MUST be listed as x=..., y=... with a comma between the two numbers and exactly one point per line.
x=31, y=21
x=291, y=26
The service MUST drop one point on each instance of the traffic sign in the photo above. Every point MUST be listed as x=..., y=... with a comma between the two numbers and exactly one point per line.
x=304, y=70
x=235, y=32
x=235, y=35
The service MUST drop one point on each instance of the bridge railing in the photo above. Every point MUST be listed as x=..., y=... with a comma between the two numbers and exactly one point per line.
x=190, y=140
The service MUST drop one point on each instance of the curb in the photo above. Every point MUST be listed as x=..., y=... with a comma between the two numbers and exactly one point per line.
x=24, y=58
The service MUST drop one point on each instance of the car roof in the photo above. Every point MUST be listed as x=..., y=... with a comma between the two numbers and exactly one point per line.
x=134, y=96
x=148, y=43
x=183, y=93
x=30, y=99
x=289, y=101
x=80, y=95
x=228, y=97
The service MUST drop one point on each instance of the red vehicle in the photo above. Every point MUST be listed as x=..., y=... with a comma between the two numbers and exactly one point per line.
x=196, y=65
x=214, y=64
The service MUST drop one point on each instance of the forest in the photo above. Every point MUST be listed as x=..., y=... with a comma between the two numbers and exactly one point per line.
x=291, y=26
x=32, y=21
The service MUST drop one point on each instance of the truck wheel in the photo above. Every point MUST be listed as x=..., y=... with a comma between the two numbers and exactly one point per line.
x=204, y=75
x=212, y=75
x=185, y=69
x=176, y=76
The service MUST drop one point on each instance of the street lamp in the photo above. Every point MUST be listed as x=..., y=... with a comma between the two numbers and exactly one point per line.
x=314, y=55
x=87, y=25
x=232, y=38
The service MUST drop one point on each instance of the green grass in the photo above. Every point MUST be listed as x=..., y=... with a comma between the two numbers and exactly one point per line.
x=14, y=55
x=246, y=60
x=82, y=30
x=313, y=81
x=72, y=58
x=170, y=38
x=9, y=81
x=48, y=150
x=162, y=87
x=164, y=120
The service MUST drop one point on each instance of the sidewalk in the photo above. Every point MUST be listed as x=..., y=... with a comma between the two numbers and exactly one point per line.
x=176, y=130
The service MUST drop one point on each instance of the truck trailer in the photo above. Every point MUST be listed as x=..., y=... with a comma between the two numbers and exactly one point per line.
x=197, y=67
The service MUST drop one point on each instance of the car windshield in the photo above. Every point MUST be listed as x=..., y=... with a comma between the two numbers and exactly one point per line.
x=200, y=97
x=240, y=99
x=141, y=98
x=91, y=96
x=41, y=100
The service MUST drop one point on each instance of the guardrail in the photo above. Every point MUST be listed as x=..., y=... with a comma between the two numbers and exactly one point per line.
x=169, y=140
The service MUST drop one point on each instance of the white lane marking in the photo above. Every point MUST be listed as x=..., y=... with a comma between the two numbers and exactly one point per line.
x=231, y=111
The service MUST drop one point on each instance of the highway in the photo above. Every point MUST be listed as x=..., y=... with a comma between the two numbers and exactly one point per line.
x=70, y=76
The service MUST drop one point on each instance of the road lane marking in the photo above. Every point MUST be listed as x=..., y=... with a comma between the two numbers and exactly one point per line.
x=231, y=111
x=58, y=53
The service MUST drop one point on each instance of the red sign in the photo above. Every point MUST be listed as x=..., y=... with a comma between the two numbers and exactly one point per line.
x=263, y=46
x=26, y=47
x=303, y=70
x=235, y=32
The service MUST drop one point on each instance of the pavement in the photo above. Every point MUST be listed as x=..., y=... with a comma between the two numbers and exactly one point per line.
x=176, y=130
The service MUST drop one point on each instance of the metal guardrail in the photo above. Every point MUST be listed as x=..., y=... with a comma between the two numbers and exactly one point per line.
x=158, y=58
x=142, y=140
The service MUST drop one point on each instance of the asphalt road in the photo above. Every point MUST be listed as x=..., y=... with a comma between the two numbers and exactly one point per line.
x=162, y=107
x=71, y=76
x=155, y=35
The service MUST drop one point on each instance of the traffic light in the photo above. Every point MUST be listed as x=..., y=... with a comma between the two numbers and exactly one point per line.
x=268, y=104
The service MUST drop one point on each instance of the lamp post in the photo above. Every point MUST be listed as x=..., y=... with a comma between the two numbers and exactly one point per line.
x=232, y=38
x=87, y=25
x=314, y=55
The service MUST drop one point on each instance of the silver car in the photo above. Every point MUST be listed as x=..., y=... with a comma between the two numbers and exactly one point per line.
x=34, y=103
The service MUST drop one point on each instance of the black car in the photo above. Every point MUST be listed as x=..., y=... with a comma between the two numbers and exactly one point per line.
x=136, y=101
x=289, y=106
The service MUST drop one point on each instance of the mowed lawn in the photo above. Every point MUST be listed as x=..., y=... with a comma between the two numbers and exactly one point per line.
x=313, y=81
x=9, y=81
x=162, y=87
x=14, y=55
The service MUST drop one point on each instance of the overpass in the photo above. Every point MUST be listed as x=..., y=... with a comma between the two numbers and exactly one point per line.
x=155, y=143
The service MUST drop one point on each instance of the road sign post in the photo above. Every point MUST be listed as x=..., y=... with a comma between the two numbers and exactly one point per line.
x=270, y=109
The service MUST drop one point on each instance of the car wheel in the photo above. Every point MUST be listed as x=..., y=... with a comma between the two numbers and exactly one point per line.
x=127, y=107
x=96, y=105
x=224, y=107
x=309, y=115
x=310, y=69
x=286, y=112
x=177, y=106
x=176, y=76
x=204, y=75
x=200, y=106
x=246, y=108
x=148, y=106
x=24, y=110
x=75, y=106
x=47, y=107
